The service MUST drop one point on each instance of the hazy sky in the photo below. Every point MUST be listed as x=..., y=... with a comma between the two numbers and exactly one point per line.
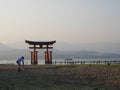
x=62, y=20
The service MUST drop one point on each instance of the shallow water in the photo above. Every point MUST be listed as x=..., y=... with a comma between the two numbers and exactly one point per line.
x=28, y=62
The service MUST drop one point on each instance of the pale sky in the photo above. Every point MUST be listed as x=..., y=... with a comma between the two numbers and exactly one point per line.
x=82, y=21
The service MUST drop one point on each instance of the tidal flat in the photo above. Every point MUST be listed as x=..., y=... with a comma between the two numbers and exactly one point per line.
x=60, y=77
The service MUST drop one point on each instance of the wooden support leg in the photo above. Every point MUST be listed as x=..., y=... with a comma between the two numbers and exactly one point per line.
x=45, y=57
x=32, y=58
x=47, y=52
x=36, y=58
x=50, y=61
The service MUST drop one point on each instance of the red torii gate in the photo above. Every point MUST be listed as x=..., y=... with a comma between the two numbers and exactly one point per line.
x=41, y=45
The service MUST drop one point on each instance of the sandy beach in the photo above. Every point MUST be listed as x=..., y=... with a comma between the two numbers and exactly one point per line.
x=60, y=77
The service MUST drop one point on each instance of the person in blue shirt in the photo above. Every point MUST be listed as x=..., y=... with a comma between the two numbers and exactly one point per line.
x=19, y=61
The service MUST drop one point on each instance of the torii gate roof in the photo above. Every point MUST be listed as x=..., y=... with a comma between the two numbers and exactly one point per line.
x=40, y=43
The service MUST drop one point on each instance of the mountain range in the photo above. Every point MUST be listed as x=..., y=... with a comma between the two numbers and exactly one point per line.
x=103, y=47
x=62, y=51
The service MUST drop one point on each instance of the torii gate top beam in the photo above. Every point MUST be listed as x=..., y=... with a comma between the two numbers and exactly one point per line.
x=40, y=43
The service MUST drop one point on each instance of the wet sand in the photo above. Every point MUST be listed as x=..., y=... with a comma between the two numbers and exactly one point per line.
x=60, y=77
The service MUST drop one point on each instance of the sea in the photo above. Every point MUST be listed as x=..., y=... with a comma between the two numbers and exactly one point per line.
x=42, y=62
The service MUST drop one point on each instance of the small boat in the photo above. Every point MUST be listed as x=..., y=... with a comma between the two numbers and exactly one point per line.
x=68, y=59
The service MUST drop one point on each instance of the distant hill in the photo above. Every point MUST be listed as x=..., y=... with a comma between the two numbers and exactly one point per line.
x=99, y=47
x=4, y=47
x=8, y=53
x=83, y=54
